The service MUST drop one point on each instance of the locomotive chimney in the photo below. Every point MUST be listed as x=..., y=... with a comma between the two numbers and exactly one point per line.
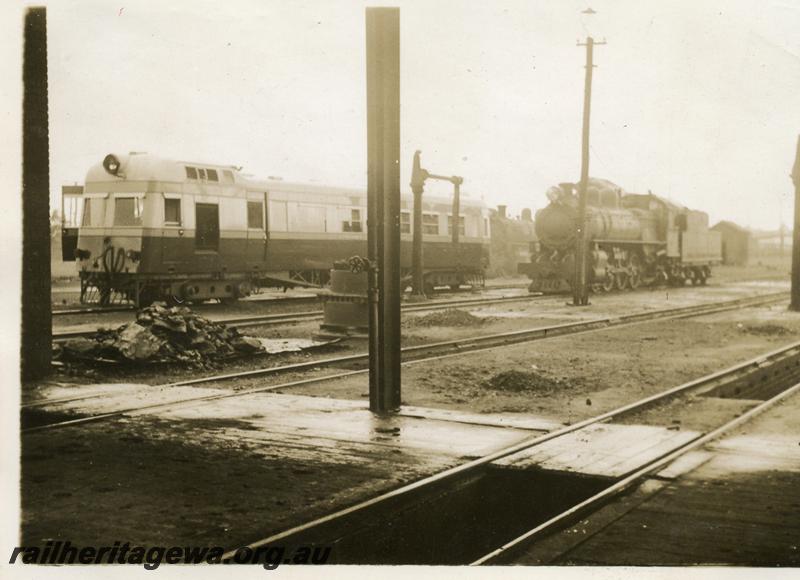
x=501, y=210
x=526, y=214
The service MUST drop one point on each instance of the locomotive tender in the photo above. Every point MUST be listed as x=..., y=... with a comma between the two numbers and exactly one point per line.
x=635, y=239
x=155, y=229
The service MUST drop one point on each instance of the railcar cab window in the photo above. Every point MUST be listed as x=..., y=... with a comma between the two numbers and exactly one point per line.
x=461, y=225
x=255, y=215
x=207, y=226
x=354, y=225
x=405, y=222
x=128, y=211
x=430, y=224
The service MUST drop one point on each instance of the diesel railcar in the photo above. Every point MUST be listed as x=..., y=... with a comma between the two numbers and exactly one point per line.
x=635, y=239
x=155, y=229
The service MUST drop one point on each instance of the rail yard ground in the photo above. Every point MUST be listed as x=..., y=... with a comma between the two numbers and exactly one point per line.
x=238, y=469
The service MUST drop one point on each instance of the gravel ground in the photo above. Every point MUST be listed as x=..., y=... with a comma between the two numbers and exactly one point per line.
x=153, y=482
x=573, y=377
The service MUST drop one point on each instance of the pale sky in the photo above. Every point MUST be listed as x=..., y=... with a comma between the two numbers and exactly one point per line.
x=697, y=101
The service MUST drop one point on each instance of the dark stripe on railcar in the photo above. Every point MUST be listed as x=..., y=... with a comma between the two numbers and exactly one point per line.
x=237, y=255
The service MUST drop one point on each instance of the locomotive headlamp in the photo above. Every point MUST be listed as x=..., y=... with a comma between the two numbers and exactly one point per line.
x=111, y=164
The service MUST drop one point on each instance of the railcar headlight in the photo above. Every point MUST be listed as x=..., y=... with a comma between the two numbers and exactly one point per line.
x=111, y=164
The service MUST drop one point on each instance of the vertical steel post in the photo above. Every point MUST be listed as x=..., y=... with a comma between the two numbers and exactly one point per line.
x=417, y=187
x=36, y=343
x=383, y=210
x=795, y=302
x=580, y=290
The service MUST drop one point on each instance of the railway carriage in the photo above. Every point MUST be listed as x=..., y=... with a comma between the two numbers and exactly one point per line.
x=153, y=229
x=634, y=239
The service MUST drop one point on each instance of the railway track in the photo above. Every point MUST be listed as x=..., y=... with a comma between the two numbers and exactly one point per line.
x=270, y=301
x=131, y=308
x=360, y=535
x=411, y=355
x=294, y=317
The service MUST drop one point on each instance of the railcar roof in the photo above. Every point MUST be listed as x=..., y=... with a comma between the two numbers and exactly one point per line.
x=146, y=167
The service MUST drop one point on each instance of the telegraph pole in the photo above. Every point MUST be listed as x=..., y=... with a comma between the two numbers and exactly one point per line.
x=795, y=303
x=580, y=288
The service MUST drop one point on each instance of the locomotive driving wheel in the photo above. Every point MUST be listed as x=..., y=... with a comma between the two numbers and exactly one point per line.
x=621, y=280
x=607, y=284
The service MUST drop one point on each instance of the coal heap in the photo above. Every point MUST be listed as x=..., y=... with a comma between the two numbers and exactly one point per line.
x=162, y=334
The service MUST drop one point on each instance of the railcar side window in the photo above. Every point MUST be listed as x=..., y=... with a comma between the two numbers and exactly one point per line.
x=430, y=224
x=207, y=226
x=255, y=215
x=128, y=211
x=201, y=173
x=172, y=211
x=354, y=225
x=212, y=174
x=405, y=222
x=86, y=219
x=191, y=172
x=461, y=226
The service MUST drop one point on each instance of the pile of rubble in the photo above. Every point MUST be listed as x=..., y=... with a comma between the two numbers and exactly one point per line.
x=162, y=334
x=448, y=317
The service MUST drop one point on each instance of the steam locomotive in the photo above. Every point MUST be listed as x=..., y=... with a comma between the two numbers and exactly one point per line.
x=634, y=240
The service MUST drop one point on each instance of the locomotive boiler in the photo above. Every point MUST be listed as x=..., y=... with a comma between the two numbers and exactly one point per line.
x=634, y=240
